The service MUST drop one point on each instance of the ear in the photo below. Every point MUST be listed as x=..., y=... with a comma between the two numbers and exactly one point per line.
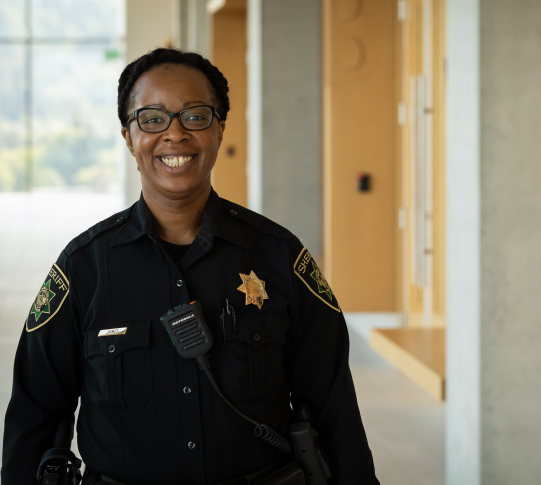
x=221, y=127
x=126, y=134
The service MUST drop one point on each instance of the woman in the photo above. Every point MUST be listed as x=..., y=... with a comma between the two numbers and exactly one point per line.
x=148, y=415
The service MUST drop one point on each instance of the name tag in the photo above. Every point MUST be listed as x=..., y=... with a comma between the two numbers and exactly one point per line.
x=113, y=331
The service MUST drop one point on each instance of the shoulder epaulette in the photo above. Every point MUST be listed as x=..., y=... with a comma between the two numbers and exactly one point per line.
x=90, y=234
x=262, y=223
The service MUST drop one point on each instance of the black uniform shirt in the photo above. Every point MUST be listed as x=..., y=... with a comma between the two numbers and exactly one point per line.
x=147, y=415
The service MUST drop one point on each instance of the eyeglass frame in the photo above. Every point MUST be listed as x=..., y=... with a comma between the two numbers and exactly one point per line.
x=135, y=115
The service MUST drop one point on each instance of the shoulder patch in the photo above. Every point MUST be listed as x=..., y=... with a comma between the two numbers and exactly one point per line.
x=308, y=271
x=50, y=298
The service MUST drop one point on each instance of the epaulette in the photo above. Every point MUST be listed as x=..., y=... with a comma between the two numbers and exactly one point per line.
x=261, y=223
x=90, y=234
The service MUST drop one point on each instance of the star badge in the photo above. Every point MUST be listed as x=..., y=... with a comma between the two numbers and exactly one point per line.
x=322, y=285
x=43, y=300
x=254, y=288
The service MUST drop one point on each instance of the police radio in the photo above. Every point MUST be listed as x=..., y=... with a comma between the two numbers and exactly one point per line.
x=188, y=330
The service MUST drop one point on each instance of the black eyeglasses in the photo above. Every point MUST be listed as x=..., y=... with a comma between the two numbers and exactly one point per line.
x=153, y=120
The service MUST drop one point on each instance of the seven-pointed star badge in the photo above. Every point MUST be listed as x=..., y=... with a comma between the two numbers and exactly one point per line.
x=43, y=300
x=322, y=285
x=254, y=289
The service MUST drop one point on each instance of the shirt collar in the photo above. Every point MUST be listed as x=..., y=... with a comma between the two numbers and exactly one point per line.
x=222, y=223
x=217, y=222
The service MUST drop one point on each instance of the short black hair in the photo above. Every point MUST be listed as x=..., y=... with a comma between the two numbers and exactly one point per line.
x=171, y=55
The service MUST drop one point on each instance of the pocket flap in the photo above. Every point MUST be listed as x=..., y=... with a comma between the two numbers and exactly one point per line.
x=137, y=335
x=258, y=330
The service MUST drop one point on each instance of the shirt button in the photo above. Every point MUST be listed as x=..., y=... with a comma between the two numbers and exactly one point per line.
x=191, y=445
x=257, y=338
x=234, y=212
x=187, y=390
x=111, y=348
x=121, y=218
x=180, y=283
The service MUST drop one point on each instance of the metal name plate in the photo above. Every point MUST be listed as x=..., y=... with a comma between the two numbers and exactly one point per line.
x=113, y=331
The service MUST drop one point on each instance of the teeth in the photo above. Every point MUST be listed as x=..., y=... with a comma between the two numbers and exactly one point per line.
x=176, y=161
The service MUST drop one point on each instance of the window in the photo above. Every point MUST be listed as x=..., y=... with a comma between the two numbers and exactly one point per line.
x=61, y=60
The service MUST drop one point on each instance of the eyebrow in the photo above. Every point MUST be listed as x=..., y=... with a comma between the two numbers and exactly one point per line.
x=162, y=106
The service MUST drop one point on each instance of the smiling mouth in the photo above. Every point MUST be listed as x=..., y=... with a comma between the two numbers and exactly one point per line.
x=176, y=161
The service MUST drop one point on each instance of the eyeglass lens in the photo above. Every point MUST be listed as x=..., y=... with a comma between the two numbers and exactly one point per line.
x=154, y=120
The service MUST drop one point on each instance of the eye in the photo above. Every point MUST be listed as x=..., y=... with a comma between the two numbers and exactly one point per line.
x=196, y=117
x=153, y=119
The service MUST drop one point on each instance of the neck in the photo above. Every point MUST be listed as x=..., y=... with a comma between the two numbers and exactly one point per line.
x=178, y=219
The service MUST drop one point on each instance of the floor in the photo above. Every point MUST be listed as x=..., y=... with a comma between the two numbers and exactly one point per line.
x=405, y=426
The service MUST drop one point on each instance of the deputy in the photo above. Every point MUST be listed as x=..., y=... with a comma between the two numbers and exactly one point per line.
x=147, y=415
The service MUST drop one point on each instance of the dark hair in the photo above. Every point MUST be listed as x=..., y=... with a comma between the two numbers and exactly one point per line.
x=171, y=55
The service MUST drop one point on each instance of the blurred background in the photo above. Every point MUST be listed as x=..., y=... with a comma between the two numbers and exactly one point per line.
x=399, y=139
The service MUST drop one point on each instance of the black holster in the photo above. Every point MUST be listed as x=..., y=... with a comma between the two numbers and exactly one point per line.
x=307, y=448
x=59, y=466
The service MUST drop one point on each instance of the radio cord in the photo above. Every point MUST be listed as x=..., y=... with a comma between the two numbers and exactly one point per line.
x=261, y=431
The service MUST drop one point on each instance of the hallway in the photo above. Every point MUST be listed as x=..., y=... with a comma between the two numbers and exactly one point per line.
x=405, y=426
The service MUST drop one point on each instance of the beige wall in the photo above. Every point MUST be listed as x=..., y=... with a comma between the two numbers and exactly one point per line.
x=228, y=53
x=360, y=119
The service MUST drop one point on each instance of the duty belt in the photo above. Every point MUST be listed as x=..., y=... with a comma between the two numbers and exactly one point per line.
x=93, y=479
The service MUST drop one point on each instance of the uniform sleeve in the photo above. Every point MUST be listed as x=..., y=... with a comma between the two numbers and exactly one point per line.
x=319, y=373
x=48, y=375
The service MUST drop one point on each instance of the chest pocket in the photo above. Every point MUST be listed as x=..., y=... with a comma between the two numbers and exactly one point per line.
x=118, y=371
x=249, y=362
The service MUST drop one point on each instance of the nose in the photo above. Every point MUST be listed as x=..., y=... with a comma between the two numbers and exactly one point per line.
x=176, y=132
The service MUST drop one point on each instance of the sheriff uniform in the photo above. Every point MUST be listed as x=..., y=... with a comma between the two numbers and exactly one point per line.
x=147, y=415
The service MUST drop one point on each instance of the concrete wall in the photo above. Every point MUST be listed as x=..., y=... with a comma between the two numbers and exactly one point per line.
x=510, y=241
x=494, y=235
x=291, y=149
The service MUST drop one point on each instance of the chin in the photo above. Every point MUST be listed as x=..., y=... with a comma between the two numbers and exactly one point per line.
x=180, y=185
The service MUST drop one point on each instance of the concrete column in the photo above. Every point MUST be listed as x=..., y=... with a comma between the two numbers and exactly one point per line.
x=254, y=111
x=197, y=27
x=284, y=73
x=494, y=236
x=463, y=245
